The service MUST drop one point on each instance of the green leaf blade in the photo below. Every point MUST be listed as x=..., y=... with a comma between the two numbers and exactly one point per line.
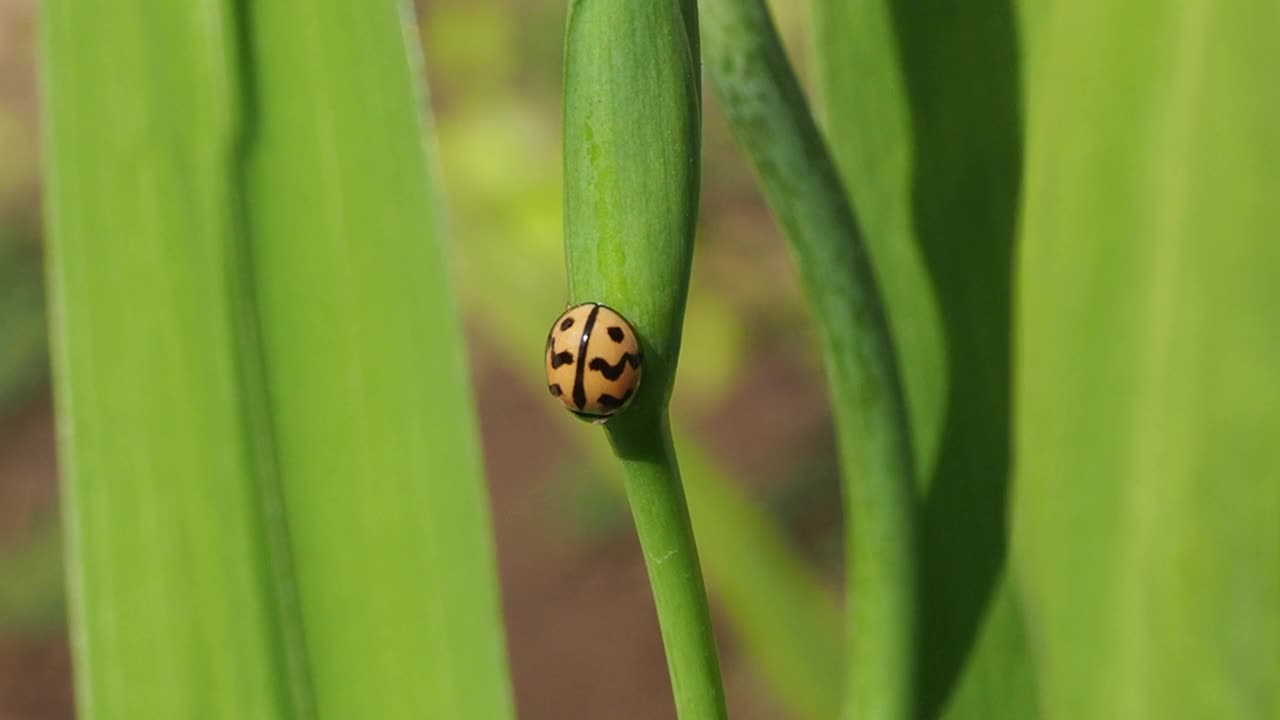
x=274, y=497
x=164, y=536
x=381, y=476
x=924, y=117
x=1145, y=527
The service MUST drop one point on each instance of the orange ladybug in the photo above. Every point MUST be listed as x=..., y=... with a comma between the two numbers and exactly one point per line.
x=594, y=361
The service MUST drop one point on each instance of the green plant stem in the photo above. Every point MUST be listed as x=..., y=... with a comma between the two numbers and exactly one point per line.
x=771, y=119
x=661, y=516
x=631, y=144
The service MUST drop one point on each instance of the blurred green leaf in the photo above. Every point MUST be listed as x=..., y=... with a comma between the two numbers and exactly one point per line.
x=769, y=113
x=787, y=622
x=365, y=369
x=924, y=116
x=273, y=486
x=1147, y=546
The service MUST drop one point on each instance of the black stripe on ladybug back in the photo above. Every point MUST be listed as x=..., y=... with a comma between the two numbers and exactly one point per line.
x=579, y=389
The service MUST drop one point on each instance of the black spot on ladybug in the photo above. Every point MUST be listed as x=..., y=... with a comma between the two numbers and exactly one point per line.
x=568, y=323
x=609, y=401
x=555, y=389
x=613, y=372
x=616, y=334
x=564, y=357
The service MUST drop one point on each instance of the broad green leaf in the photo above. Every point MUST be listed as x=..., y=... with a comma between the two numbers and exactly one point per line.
x=1147, y=546
x=923, y=112
x=364, y=366
x=273, y=495
x=175, y=595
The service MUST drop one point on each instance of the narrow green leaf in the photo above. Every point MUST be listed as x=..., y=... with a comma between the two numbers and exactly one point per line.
x=364, y=363
x=1147, y=544
x=924, y=118
x=770, y=118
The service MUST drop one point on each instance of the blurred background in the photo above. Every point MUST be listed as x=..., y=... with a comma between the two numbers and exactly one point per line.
x=579, y=618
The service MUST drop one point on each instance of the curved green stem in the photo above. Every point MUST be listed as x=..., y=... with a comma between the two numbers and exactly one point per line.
x=661, y=516
x=771, y=119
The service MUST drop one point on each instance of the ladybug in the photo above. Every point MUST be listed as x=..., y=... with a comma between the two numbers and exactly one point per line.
x=593, y=361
